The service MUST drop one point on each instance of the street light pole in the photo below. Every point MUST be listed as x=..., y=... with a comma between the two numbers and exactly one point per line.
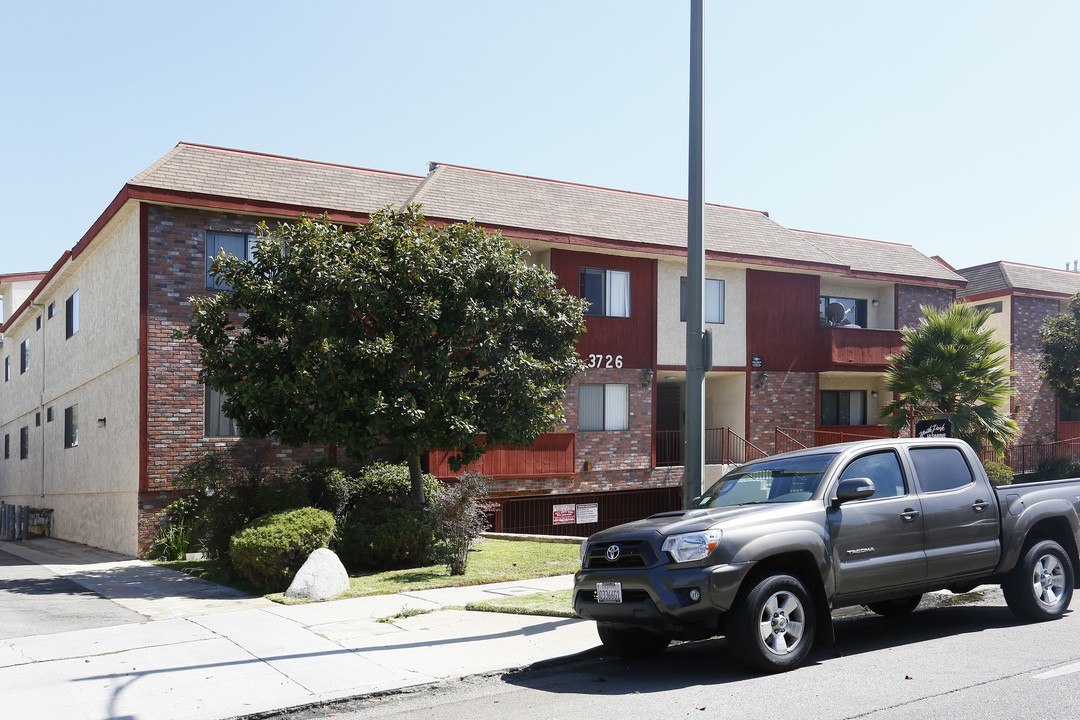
x=694, y=458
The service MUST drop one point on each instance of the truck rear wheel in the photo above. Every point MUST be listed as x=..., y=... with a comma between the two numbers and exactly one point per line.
x=1040, y=587
x=631, y=642
x=772, y=628
x=896, y=606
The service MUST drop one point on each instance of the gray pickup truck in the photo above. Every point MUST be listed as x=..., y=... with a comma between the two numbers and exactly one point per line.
x=769, y=550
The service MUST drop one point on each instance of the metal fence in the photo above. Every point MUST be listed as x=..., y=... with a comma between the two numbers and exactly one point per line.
x=16, y=521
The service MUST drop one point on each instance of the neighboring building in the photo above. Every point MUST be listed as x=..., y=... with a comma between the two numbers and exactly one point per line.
x=1021, y=298
x=109, y=406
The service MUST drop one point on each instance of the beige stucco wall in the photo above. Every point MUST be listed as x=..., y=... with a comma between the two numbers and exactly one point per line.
x=92, y=487
x=725, y=401
x=15, y=294
x=729, y=337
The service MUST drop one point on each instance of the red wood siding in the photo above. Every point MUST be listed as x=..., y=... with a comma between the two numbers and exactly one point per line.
x=1068, y=429
x=781, y=320
x=552, y=454
x=841, y=348
x=634, y=337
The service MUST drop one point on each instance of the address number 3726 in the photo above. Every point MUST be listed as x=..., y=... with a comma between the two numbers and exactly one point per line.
x=605, y=361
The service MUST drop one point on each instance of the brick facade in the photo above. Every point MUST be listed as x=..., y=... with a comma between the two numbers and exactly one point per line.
x=911, y=298
x=176, y=271
x=1034, y=405
x=781, y=400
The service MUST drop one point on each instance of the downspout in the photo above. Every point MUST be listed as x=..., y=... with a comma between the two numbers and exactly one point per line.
x=41, y=397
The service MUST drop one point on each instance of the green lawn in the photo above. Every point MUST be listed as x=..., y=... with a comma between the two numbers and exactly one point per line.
x=490, y=561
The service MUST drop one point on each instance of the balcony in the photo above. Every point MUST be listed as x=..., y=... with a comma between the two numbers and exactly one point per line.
x=552, y=455
x=851, y=348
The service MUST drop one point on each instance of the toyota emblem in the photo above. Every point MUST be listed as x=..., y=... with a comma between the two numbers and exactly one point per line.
x=613, y=553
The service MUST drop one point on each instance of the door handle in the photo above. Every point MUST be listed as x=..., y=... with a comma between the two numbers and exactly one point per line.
x=909, y=515
x=979, y=505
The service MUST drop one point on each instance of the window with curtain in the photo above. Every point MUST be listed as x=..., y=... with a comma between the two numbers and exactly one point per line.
x=608, y=291
x=604, y=406
x=843, y=407
x=714, y=300
x=215, y=422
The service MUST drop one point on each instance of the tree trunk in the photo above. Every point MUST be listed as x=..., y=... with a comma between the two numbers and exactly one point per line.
x=416, y=476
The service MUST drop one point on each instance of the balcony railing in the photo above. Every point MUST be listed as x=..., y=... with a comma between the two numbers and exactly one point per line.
x=722, y=446
x=551, y=455
x=798, y=438
x=848, y=347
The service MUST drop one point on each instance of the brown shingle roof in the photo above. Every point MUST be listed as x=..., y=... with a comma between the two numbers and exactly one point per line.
x=515, y=201
x=220, y=172
x=1017, y=278
x=874, y=257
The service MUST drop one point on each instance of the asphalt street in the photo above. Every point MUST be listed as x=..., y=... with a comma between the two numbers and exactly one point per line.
x=35, y=601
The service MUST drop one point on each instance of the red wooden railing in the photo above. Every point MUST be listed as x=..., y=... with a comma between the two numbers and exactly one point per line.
x=551, y=455
x=841, y=347
x=797, y=438
x=722, y=446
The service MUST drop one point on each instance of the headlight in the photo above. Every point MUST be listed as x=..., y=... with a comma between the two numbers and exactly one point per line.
x=691, y=546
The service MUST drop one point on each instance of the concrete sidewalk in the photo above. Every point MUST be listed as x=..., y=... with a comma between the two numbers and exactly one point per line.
x=211, y=652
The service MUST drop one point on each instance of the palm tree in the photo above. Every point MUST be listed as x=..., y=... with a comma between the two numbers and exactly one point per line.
x=951, y=367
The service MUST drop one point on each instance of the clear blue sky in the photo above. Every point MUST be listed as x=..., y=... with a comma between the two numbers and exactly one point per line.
x=952, y=126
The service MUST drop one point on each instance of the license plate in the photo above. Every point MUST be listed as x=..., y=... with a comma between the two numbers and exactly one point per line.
x=610, y=592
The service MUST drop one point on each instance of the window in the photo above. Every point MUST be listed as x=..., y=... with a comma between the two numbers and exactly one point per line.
x=24, y=442
x=37, y=419
x=608, y=292
x=7, y=446
x=235, y=244
x=842, y=311
x=71, y=309
x=940, y=469
x=52, y=310
x=24, y=356
x=881, y=467
x=215, y=422
x=71, y=426
x=604, y=407
x=38, y=323
x=714, y=300
x=48, y=414
x=7, y=368
x=1070, y=414
x=843, y=407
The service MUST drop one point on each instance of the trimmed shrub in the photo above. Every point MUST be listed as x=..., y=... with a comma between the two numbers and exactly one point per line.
x=270, y=549
x=999, y=473
x=328, y=486
x=383, y=530
x=459, y=514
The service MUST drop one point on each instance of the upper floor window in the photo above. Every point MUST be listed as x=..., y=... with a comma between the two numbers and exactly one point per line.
x=235, y=244
x=842, y=311
x=7, y=368
x=71, y=308
x=1070, y=414
x=24, y=442
x=608, y=291
x=24, y=356
x=603, y=406
x=52, y=310
x=714, y=300
x=993, y=307
x=843, y=407
x=7, y=446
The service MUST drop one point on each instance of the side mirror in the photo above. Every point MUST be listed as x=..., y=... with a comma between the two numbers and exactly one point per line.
x=854, y=489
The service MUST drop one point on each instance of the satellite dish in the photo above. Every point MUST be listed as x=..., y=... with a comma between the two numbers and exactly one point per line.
x=835, y=312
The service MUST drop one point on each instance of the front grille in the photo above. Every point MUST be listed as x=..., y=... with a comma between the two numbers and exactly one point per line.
x=632, y=553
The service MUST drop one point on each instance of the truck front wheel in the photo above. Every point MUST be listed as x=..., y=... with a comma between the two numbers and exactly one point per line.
x=772, y=628
x=631, y=642
x=1041, y=585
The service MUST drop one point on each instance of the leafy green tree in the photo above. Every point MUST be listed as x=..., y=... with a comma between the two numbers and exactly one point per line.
x=1059, y=339
x=951, y=367
x=421, y=335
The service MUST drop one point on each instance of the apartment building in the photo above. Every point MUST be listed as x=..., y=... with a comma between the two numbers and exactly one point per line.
x=1021, y=298
x=109, y=406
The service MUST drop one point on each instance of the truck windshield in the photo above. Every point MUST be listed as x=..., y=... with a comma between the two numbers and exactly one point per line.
x=769, y=481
